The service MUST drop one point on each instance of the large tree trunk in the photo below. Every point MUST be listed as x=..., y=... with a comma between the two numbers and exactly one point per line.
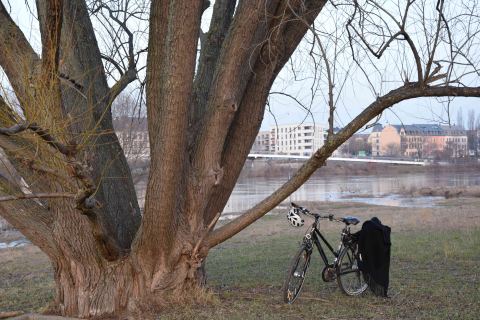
x=87, y=291
x=89, y=286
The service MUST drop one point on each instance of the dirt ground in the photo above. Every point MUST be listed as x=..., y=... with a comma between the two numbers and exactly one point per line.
x=437, y=256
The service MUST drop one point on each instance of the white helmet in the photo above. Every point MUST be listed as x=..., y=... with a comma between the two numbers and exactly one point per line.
x=293, y=217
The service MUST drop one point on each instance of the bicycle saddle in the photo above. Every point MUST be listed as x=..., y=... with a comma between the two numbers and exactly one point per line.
x=350, y=220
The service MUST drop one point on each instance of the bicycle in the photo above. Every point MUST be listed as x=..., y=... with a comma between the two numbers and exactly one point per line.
x=345, y=266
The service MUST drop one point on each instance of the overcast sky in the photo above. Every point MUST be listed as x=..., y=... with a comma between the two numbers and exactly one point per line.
x=352, y=98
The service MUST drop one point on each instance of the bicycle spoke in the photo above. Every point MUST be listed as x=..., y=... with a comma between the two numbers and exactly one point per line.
x=349, y=277
x=296, y=275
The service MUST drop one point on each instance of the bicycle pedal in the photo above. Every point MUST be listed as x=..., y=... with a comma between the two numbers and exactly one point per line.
x=328, y=274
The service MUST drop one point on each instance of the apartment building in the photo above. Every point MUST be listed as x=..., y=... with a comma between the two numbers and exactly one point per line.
x=297, y=139
x=456, y=141
x=374, y=139
x=422, y=141
x=262, y=142
x=132, y=134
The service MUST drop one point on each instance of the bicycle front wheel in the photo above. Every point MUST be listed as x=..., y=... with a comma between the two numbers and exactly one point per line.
x=296, y=275
x=349, y=277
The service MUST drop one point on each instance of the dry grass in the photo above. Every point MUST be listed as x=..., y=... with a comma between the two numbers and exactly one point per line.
x=435, y=270
x=26, y=279
x=447, y=192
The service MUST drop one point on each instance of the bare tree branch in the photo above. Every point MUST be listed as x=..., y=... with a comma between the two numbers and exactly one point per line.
x=37, y=196
x=130, y=74
x=228, y=86
x=17, y=57
x=44, y=134
x=51, y=36
x=210, y=51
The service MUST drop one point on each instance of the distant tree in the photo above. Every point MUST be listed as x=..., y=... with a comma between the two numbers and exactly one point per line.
x=392, y=150
x=460, y=121
x=471, y=120
x=368, y=148
x=355, y=145
x=429, y=150
x=472, y=141
x=449, y=151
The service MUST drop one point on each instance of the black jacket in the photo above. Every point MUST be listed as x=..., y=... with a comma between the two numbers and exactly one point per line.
x=374, y=248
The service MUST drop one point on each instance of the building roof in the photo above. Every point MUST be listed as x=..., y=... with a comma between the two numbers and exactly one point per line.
x=377, y=127
x=454, y=130
x=363, y=136
x=427, y=129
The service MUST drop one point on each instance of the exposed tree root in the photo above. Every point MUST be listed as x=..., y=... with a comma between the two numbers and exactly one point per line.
x=36, y=316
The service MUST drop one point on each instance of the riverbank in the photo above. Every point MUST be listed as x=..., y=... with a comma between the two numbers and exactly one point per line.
x=435, y=269
x=285, y=168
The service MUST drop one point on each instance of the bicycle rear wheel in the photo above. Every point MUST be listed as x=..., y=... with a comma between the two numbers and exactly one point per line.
x=349, y=277
x=296, y=275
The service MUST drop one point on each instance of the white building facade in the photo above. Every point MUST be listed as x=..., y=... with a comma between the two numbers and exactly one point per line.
x=297, y=139
x=133, y=137
x=262, y=142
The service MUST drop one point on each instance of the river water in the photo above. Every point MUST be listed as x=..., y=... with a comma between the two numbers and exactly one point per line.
x=371, y=189
x=380, y=190
x=14, y=244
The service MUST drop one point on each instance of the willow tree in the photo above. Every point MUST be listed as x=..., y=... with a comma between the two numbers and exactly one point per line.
x=70, y=190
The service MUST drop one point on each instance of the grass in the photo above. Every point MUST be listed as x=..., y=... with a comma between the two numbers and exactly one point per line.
x=26, y=280
x=434, y=275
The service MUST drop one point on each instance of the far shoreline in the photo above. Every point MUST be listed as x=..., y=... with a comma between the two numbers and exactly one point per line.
x=280, y=168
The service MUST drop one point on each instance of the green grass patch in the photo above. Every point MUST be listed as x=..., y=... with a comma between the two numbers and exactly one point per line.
x=26, y=280
x=434, y=275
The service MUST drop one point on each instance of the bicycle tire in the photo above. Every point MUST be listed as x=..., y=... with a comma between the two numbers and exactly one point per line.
x=349, y=277
x=296, y=274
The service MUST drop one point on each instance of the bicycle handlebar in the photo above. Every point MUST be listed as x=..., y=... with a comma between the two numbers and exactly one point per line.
x=305, y=211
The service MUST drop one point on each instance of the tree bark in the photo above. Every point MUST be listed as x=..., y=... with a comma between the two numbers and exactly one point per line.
x=88, y=286
x=85, y=290
x=171, y=67
x=211, y=44
x=86, y=102
x=17, y=57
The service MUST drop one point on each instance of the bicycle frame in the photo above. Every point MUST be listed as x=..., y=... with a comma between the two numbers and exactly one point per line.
x=345, y=261
x=314, y=235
